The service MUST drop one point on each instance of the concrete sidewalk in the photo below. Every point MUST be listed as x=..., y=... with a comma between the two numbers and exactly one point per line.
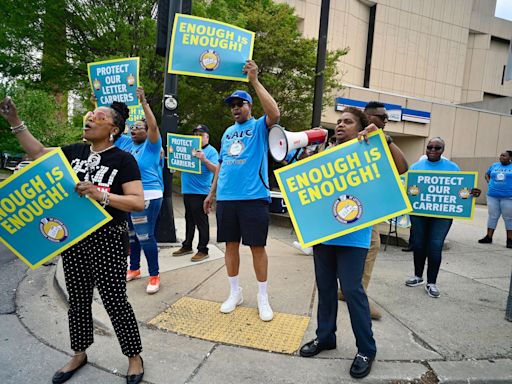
x=459, y=338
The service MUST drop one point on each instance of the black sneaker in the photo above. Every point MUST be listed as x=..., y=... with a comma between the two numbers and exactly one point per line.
x=509, y=243
x=485, y=240
x=414, y=281
x=361, y=366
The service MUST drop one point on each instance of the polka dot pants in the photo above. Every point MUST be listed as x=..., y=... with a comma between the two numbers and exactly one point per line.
x=100, y=260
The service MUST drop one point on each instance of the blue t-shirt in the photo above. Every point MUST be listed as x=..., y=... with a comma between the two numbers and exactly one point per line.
x=147, y=155
x=291, y=158
x=244, y=162
x=193, y=183
x=441, y=165
x=500, y=183
x=358, y=239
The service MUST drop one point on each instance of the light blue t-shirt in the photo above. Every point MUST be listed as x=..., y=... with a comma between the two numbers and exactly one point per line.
x=147, y=155
x=291, y=158
x=244, y=162
x=193, y=183
x=358, y=239
x=441, y=165
x=500, y=183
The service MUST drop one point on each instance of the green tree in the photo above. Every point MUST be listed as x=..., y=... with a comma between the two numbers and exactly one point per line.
x=286, y=59
x=38, y=110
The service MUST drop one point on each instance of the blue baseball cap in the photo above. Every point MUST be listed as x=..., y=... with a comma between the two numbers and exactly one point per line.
x=239, y=94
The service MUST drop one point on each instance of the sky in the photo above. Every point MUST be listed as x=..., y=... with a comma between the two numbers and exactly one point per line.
x=504, y=9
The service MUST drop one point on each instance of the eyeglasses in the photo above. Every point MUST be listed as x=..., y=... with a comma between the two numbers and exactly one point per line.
x=238, y=104
x=96, y=116
x=383, y=117
x=434, y=147
x=137, y=127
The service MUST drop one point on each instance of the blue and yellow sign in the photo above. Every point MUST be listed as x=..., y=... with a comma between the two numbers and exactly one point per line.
x=181, y=152
x=209, y=48
x=136, y=114
x=345, y=188
x=115, y=80
x=38, y=210
x=442, y=194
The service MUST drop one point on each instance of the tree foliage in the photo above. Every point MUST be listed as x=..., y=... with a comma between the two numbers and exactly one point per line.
x=46, y=45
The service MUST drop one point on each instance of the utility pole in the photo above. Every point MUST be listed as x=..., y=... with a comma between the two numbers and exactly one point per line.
x=166, y=227
x=320, y=63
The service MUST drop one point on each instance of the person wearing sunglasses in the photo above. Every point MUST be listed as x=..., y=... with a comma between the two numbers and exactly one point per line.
x=241, y=187
x=145, y=144
x=430, y=232
x=499, y=197
x=194, y=188
x=111, y=177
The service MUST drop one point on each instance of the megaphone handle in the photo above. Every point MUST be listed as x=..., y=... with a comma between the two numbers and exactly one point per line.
x=295, y=156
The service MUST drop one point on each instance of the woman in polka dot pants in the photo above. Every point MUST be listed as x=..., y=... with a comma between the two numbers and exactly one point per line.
x=111, y=177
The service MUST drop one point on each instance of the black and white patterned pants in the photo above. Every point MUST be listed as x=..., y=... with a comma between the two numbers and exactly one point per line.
x=100, y=260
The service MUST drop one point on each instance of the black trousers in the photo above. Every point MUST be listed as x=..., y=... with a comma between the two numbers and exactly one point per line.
x=100, y=260
x=195, y=217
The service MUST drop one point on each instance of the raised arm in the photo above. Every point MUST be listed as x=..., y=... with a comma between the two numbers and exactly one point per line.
x=29, y=143
x=153, y=132
x=267, y=101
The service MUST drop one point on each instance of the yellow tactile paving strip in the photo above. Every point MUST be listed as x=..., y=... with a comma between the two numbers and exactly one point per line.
x=202, y=319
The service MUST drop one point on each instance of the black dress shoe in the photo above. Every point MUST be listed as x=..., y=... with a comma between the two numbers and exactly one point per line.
x=408, y=249
x=136, y=379
x=314, y=348
x=361, y=366
x=62, y=377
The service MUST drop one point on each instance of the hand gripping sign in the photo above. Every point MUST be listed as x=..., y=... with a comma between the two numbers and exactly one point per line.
x=40, y=213
x=342, y=189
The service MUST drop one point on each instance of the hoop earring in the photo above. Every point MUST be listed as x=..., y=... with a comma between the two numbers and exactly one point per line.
x=111, y=138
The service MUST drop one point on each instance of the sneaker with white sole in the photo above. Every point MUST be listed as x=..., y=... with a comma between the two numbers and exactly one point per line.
x=414, y=281
x=153, y=284
x=233, y=300
x=432, y=290
x=264, y=309
x=308, y=251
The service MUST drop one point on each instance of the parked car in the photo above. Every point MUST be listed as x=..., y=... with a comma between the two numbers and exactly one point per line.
x=21, y=165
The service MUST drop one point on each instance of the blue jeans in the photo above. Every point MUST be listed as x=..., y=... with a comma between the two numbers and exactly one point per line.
x=142, y=235
x=427, y=243
x=499, y=206
x=345, y=264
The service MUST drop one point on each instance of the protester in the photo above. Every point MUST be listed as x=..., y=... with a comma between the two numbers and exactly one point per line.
x=145, y=145
x=195, y=188
x=499, y=197
x=343, y=259
x=377, y=114
x=430, y=232
x=111, y=177
x=241, y=187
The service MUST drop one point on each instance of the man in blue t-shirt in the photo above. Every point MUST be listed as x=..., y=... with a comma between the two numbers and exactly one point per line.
x=195, y=188
x=241, y=187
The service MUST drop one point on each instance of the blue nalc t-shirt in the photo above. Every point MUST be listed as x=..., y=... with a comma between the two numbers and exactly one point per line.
x=244, y=162
x=500, y=183
x=193, y=183
x=147, y=155
x=441, y=165
x=358, y=239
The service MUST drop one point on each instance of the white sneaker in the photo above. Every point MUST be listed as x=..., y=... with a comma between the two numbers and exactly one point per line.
x=308, y=251
x=233, y=300
x=266, y=313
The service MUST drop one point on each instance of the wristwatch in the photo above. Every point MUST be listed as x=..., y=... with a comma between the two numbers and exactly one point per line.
x=389, y=139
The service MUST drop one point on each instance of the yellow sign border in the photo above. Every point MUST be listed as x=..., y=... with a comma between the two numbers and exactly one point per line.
x=444, y=172
x=55, y=152
x=358, y=227
x=111, y=61
x=200, y=148
x=171, y=50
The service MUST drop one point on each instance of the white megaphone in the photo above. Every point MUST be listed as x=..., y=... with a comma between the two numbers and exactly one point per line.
x=282, y=142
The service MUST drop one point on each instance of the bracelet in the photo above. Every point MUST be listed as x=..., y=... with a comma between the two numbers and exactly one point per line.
x=106, y=199
x=389, y=139
x=19, y=128
x=144, y=102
